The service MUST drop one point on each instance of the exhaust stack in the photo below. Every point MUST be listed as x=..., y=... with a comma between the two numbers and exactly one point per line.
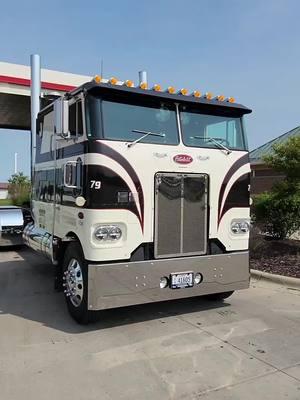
x=142, y=77
x=35, y=72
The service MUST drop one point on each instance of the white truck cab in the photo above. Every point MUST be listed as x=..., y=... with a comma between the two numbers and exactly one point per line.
x=141, y=195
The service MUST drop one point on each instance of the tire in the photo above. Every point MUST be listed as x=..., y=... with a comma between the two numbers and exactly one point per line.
x=219, y=296
x=75, y=282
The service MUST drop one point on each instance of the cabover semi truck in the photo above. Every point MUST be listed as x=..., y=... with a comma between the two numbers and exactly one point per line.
x=141, y=195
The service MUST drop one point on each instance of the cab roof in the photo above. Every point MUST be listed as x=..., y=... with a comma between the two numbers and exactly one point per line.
x=205, y=104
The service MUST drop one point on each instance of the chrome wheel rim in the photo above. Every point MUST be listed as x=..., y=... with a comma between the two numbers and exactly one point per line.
x=73, y=282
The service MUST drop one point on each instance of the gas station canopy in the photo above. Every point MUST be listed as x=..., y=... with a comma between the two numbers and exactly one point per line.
x=15, y=92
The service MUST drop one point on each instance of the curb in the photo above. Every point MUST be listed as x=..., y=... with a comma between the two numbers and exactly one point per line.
x=281, y=279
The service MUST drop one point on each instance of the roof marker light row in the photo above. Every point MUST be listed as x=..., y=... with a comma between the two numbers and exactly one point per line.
x=157, y=88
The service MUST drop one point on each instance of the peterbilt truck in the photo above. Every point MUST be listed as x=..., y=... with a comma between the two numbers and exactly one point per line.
x=141, y=195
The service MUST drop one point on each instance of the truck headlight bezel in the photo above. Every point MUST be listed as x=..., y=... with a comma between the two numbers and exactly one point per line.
x=108, y=233
x=239, y=226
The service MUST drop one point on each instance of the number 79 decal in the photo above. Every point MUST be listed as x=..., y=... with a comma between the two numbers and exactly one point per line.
x=95, y=185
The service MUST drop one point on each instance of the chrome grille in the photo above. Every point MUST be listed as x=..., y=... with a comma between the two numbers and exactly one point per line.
x=180, y=214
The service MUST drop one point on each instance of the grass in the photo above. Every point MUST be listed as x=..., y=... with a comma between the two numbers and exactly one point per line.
x=5, y=202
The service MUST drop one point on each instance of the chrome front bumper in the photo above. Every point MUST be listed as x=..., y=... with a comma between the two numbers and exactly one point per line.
x=124, y=284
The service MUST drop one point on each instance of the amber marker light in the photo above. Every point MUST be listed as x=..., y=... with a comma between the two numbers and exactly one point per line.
x=196, y=93
x=97, y=78
x=183, y=91
x=129, y=83
x=157, y=87
x=143, y=85
x=171, y=90
x=113, y=80
x=209, y=95
x=221, y=97
x=231, y=99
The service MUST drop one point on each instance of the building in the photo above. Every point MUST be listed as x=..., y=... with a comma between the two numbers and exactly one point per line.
x=3, y=190
x=15, y=92
x=262, y=176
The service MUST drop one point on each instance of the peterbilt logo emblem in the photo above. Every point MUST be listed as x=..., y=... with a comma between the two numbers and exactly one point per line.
x=183, y=159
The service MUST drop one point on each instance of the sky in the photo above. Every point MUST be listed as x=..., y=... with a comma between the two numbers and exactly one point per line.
x=248, y=50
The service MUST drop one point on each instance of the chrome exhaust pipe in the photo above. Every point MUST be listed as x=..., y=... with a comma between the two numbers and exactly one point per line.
x=143, y=77
x=35, y=93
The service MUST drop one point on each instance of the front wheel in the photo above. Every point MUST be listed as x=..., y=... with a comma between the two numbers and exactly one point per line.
x=219, y=296
x=75, y=283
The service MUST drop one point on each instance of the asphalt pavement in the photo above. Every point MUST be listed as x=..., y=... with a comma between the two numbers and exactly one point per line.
x=247, y=347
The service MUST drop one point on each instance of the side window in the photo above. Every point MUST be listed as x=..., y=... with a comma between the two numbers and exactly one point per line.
x=39, y=127
x=72, y=119
x=75, y=119
x=79, y=118
x=47, y=132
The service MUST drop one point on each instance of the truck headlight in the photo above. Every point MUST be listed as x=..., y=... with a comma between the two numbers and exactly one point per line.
x=163, y=282
x=235, y=227
x=108, y=232
x=239, y=226
x=115, y=233
x=244, y=227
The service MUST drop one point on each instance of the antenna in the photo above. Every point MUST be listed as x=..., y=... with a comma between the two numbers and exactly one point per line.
x=101, y=73
x=16, y=163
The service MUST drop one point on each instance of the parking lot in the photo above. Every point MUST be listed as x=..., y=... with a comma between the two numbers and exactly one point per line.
x=247, y=347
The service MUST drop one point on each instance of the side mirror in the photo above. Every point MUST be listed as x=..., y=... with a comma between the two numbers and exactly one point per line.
x=61, y=118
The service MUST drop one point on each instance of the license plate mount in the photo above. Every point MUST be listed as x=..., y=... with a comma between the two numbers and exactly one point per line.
x=181, y=280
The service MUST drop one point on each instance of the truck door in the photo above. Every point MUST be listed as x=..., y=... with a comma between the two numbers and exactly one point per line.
x=69, y=164
x=44, y=173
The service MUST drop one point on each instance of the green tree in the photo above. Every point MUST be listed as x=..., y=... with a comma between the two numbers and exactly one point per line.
x=279, y=210
x=285, y=157
x=19, y=188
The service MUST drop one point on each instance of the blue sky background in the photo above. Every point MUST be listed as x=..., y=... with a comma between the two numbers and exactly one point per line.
x=249, y=50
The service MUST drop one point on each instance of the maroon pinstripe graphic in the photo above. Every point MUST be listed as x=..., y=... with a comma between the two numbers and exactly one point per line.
x=238, y=164
x=90, y=146
x=111, y=182
x=101, y=148
x=238, y=195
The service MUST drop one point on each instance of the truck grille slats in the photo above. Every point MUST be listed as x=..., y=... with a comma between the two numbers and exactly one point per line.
x=180, y=214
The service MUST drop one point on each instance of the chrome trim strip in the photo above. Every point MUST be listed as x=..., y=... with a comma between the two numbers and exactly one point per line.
x=181, y=215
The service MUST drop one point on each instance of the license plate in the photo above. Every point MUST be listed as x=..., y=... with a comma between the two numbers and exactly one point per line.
x=182, y=280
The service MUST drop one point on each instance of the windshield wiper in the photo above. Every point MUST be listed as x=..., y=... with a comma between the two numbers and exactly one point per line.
x=215, y=141
x=144, y=135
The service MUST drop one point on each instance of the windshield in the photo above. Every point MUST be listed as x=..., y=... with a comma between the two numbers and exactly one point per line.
x=203, y=130
x=125, y=120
